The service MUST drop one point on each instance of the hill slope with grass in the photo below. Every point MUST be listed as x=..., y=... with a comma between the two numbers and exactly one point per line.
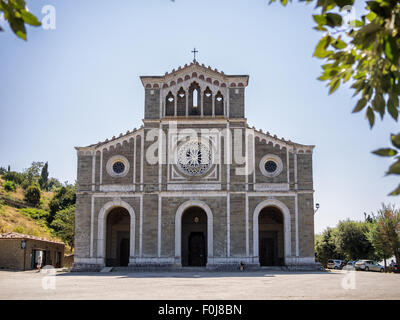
x=17, y=216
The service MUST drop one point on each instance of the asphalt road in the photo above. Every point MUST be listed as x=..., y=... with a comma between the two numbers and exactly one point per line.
x=200, y=285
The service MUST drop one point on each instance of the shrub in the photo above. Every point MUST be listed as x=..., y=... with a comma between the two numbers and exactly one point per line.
x=19, y=229
x=32, y=195
x=9, y=186
x=14, y=176
x=37, y=214
x=25, y=184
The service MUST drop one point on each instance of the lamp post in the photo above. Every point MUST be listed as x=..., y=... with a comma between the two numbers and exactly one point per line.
x=316, y=208
x=23, y=246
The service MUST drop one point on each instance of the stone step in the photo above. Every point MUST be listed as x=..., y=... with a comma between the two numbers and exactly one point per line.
x=107, y=269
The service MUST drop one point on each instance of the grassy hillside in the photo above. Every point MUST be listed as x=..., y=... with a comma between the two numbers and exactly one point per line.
x=13, y=219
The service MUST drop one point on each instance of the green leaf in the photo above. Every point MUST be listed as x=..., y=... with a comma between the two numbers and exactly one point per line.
x=320, y=19
x=17, y=25
x=29, y=18
x=394, y=168
x=395, y=192
x=339, y=44
x=393, y=104
x=385, y=152
x=370, y=117
x=391, y=49
x=360, y=105
x=395, y=140
x=371, y=16
x=378, y=104
x=320, y=50
x=333, y=19
x=334, y=85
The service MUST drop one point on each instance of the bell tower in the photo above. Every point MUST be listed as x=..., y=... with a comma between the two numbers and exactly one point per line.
x=194, y=91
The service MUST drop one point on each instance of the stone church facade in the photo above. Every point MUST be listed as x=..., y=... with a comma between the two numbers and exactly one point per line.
x=194, y=185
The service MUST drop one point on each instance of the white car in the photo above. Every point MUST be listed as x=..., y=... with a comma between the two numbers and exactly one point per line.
x=350, y=265
x=334, y=264
x=369, y=265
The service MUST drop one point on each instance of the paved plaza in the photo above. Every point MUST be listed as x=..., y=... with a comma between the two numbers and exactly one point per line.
x=200, y=285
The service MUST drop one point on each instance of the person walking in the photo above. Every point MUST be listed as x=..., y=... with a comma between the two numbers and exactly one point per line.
x=39, y=263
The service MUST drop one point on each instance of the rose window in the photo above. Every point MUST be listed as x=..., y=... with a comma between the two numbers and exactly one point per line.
x=194, y=157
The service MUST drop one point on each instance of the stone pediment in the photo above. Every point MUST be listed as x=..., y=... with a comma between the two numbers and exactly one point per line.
x=194, y=71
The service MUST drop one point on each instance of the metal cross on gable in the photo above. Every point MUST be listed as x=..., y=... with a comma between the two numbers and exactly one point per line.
x=194, y=51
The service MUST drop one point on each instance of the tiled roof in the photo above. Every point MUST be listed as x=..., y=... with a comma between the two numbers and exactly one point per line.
x=15, y=235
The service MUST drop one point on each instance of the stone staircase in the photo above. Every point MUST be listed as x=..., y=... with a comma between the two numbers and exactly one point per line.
x=212, y=268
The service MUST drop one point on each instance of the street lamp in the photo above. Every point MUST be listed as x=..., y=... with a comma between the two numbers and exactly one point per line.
x=316, y=208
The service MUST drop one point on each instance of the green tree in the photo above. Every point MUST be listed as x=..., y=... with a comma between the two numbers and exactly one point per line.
x=64, y=225
x=325, y=247
x=53, y=184
x=62, y=198
x=17, y=15
x=366, y=53
x=374, y=235
x=32, y=174
x=386, y=232
x=44, y=176
x=352, y=242
x=14, y=176
x=32, y=195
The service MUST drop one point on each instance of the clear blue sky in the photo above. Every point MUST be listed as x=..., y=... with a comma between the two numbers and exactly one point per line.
x=79, y=84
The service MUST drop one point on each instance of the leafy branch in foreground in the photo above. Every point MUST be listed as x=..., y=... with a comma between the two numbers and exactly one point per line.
x=17, y=15
x=390, y=152
x=366, y=53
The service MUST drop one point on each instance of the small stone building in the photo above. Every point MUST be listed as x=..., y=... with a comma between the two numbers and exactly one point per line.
x=21, y=252
x=195, y=185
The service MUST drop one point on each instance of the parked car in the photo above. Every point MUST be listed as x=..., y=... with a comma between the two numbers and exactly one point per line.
x=350, y=265
x=334, y=264
x=369, y=265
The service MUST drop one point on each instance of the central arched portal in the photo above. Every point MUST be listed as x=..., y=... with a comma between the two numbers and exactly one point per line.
x=118, y=237
x=271, y=237
x=194, y=237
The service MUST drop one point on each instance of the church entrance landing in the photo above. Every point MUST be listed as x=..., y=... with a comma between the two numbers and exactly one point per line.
x=117, y=244
x=194, y=237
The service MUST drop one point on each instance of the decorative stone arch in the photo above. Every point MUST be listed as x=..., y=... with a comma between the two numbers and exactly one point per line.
x=286, y=225
x=178, y=226
x=102, y=225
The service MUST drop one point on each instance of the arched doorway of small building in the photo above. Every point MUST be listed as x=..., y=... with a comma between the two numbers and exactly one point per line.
x=194, y=237
x=118, y=237
x=271, y=237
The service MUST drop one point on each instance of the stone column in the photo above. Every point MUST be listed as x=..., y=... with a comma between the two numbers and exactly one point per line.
x=213, y=104
x=187, y=102
x=175, y=105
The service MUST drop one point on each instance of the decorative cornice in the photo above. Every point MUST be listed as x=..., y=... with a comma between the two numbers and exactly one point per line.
x=282, y=143
x=107, y=144
x=197, y=72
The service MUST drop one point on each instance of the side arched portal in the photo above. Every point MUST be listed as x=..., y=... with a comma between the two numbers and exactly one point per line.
x=271, y=221
x=122, y=216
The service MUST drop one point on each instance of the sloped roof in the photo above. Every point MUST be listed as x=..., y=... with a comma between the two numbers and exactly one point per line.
x=15, y=235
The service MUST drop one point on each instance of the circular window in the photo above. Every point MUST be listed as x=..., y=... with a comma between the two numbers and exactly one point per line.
x=194, y=158
x=117, y=166
x=271, y=165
